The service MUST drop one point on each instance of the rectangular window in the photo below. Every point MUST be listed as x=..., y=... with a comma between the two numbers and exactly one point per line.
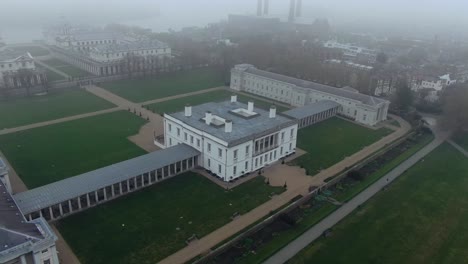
x=209, y=147
x=292, y=133
x=198, y=142
x=191, y=139
x=246, y=166
x=247, y=150
x=281, y=151
x=234, y=170
x=209, y=163
x=178, y=132
x=282, y=136
x=219, y=168
x=235, y=154
x=256, y=162
x=290, y=146
x=170, y=142
x=170, y=128
x=220, y=152
x=185, y=136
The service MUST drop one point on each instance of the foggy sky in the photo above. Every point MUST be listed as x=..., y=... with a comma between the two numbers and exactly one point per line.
x=22, y=20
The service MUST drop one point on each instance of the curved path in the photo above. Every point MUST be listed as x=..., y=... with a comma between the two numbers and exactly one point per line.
x=316, y=231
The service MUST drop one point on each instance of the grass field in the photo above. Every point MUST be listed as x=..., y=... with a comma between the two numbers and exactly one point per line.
x=143, y=226
x=33, y=50
x=420, y=219
x=462, y=140
x=215, y=96
x=36, y=109
x=51, y=153
x=51, y=75
x=332, y=140
x=170, y=84
x=66, y=68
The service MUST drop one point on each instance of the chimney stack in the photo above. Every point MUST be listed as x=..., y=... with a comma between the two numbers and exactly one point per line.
x=233, y=98
x=266, y=7
x=259, y=7
x=188, y=111
x=250, y=107
x=292, y=11
x=298, y=8
x=208, y=117
x=228, y=126
x=272, y=111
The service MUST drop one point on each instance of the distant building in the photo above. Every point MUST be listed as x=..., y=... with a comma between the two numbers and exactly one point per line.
x=361, y=108
x=102, y=52
x=434, y=83
x=234, y=138
x=17, y=69
x=22, y=241
x=353, y=52
x=350, y=65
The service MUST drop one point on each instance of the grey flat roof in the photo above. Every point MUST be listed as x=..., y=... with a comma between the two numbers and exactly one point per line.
x=243, y=129
x=57, y=192
x=364, y=99
x=312, y=109
x=14, y=230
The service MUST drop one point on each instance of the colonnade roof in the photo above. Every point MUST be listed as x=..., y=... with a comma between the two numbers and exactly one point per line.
x=312, y=109
x=70, y=188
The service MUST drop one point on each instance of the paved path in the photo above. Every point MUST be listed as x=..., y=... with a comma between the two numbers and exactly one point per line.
x=52, y=69
x=297, y=184
x=458, y=147
x=315, y=232
x=56, y=121
x=183, y=95
x=15, y=181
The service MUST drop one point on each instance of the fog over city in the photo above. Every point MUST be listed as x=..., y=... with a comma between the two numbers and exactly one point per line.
x=423, y=18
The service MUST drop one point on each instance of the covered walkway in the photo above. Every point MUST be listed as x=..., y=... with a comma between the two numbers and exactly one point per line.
x=314, y=113
x=72, y=195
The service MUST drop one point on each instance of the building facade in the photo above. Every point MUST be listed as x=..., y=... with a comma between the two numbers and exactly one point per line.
x=353, y=52
x=104, y=53
x=18, y=70
x=364, y=109
x=234, y=139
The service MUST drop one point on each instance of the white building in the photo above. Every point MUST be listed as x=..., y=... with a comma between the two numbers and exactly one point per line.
x=22, y=241
x=102, y=52
x=12, y=62
x=433, y=83
x=361, y=108
x=353, y=52
x=234, y=138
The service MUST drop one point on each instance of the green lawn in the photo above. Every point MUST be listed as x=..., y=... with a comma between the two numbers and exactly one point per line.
x=51, y=75
x=169, y=84
x=462, y=140
x=51, y=153
x=420, y=219
x=215, y=96
x=33, y=50
x=142, y=227
x=36, y=109
x=332, y=140
x=66, y=68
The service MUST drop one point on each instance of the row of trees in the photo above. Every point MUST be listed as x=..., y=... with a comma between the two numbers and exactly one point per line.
x=23, y=78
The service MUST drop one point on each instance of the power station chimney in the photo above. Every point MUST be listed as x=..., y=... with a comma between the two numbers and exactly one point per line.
x=259, y=7
x=299, y=8
x=292, y=10
x=266, y=7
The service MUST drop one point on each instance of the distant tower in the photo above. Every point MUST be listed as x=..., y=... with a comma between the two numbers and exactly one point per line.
x=292, y=10
x=299, y=8
x=266, y=7
x=259, y=7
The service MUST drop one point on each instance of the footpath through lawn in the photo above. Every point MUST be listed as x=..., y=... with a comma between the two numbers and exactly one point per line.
x=146, y=226
x=215, y=96
x=421, y=218
x=35, y=109
x=66, y=68
x=51, y=153
x=332, y=140
x=165, y=85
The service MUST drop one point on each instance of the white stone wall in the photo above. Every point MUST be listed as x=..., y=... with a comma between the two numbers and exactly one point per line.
x=219, y=158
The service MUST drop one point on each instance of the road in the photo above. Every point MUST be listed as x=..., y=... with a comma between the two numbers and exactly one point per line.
x=316, y=231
